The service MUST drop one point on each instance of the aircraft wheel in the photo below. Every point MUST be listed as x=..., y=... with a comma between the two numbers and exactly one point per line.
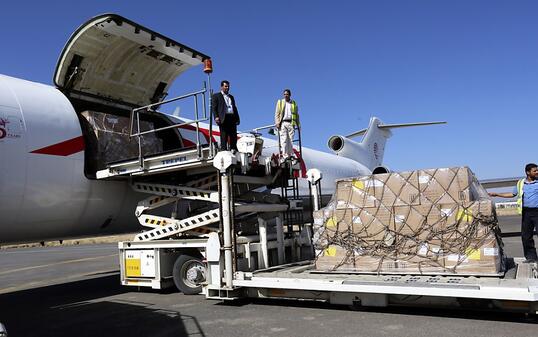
x=189, y=274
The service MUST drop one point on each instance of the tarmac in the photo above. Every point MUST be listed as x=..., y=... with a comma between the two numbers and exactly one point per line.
x=75, y=291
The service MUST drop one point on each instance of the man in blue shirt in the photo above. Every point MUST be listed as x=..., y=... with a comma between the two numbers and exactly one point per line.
x=527, y=192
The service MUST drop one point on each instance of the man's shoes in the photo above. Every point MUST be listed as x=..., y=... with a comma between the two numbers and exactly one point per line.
x=530, y=261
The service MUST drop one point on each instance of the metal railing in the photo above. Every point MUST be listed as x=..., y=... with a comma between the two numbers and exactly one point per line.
x=274, y=131
x=205, y=116
x=266, y=127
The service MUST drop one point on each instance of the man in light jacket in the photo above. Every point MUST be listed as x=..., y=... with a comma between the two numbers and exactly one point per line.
x=286, y=120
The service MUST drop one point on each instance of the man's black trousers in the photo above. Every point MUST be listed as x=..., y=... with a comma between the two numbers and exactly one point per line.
x=228, y=134
x=529, y=222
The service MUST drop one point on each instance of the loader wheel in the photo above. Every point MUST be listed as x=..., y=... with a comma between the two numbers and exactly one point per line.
x=189, y=274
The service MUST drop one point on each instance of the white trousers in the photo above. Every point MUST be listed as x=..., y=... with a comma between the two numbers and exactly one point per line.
x=286, y=139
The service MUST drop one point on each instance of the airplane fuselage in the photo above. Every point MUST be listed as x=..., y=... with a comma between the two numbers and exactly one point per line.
x=43, y=190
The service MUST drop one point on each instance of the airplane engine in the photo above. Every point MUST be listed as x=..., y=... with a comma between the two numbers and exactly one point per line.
x=348, y=148
x=381, y=170
x=343, y=146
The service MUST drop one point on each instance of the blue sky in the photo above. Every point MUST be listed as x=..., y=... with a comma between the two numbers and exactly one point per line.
x=471, y=63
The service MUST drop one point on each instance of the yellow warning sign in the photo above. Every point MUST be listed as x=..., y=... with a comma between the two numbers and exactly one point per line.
x=331, y=251
x=464, y=215
x=331, y=222
x=358, y=184
x=473, y=254
x=132, y=267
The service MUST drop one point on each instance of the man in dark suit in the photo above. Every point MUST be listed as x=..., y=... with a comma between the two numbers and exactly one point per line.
x=226, y=116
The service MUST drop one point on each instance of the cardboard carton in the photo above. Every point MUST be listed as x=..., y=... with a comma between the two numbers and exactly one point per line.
x=446, y=185
x=352, y=194
x=482, y=257
x=335, y=258
x=108, y=140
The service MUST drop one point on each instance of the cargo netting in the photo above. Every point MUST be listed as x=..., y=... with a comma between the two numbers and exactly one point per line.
x=433, y=221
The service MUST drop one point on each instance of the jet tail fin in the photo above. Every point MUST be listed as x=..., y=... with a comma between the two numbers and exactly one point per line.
x=371, y=149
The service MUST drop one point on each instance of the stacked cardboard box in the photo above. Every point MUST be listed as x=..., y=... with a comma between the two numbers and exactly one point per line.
x=107, y=138
x=432, y=221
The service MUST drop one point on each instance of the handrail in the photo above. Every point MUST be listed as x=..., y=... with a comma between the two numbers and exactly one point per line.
x=263, y=128
x=272, y=128
x=135, y=116
x=172, y=99
x=175, y=126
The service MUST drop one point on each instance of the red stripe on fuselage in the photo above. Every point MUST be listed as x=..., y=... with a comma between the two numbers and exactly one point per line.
x=205, y=132
x=65, y=148
x=188, y=143
x=301, y=163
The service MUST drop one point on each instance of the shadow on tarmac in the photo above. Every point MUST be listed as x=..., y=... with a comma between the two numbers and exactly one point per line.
x=83, y=308
x=470, y=310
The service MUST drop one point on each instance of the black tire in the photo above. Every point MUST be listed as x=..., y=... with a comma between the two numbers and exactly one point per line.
x=189, y=283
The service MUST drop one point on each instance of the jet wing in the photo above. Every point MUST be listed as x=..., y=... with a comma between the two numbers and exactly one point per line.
x=502, y=182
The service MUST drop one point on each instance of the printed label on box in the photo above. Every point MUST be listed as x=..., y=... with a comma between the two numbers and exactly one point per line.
x=491, y=251
x=399, y=218
x=359, y=251
x=423, y=249
x=342, y=204
x=454, y=257
x=357, y=220
x=374, y=183
x=424, y=179
x=447, y=211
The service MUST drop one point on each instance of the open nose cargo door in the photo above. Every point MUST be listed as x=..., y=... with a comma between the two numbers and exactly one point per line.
x=112, y=59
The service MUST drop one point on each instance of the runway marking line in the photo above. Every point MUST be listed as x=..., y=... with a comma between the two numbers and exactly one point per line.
x=56, y=264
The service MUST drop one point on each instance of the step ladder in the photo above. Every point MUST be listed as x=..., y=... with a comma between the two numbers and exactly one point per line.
x=293, y=218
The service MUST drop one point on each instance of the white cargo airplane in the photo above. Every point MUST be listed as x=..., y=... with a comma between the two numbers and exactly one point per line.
x=110, y=64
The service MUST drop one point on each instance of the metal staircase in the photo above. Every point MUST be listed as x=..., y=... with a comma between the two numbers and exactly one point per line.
x=293, y=217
